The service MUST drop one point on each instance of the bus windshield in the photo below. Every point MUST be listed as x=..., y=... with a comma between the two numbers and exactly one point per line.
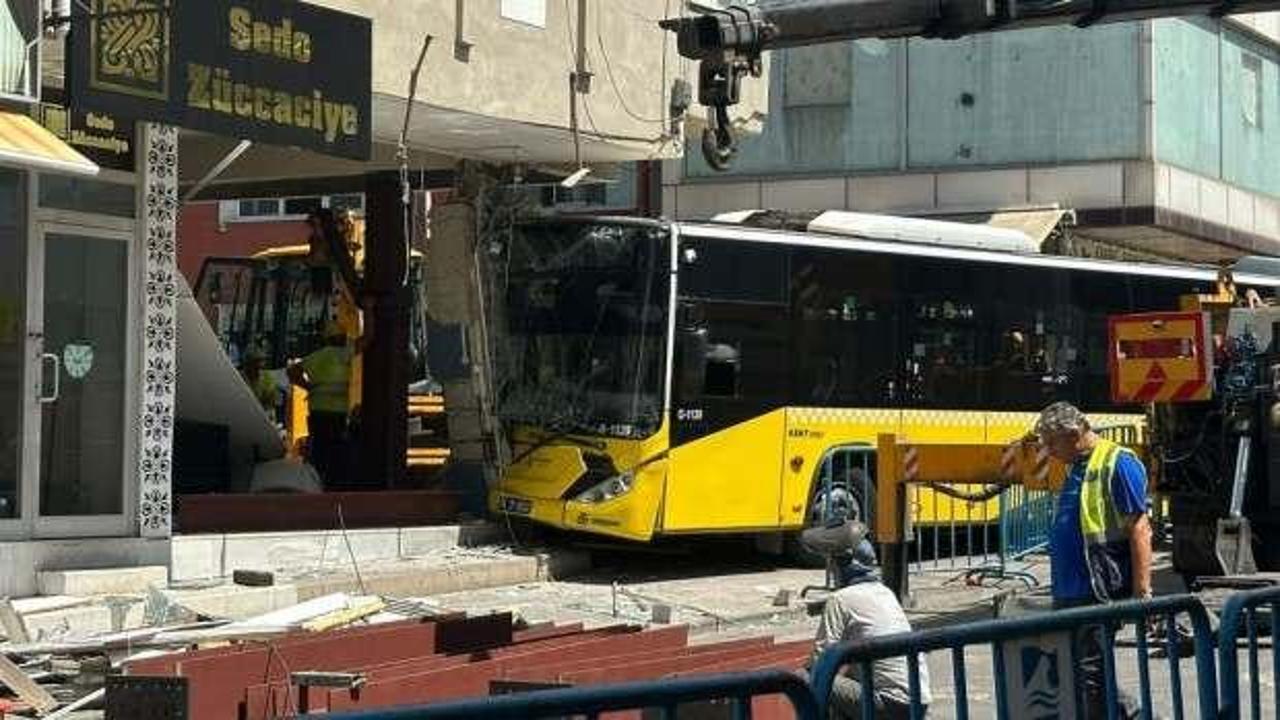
x=580, y=343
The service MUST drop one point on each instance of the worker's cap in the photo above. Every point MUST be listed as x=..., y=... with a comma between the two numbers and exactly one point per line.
x=1059, y=418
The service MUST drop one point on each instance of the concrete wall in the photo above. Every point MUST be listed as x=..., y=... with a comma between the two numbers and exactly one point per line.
x=202, y=236
x=1035, y=96
x=1218, y=103
x=519, y=71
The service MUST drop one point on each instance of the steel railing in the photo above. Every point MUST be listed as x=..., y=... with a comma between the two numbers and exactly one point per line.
x=1240, y=616
x=863, y=654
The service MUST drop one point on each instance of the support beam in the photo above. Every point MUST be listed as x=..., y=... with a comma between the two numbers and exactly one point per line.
x=385, y=393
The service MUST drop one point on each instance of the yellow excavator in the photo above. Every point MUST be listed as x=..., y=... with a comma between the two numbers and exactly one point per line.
x=276, y=305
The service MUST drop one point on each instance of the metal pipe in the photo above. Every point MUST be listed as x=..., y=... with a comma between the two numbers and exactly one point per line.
x=217, y=169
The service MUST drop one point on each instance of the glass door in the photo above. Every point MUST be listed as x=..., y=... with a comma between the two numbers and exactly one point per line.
x=14, y=347
x=83, y=393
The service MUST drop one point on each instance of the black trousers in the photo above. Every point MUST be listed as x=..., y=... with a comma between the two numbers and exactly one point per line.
x=1092, y=673
x=327, y=447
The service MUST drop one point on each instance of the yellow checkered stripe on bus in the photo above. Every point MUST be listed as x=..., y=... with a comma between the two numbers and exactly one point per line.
x=832, y=415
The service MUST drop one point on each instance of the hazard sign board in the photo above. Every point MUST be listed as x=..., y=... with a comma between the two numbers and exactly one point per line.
x=1160, y=357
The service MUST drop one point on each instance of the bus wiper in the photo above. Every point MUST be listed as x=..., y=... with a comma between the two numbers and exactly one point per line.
x=562, y=433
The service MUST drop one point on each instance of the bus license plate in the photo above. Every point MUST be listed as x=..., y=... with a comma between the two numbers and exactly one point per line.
x=516, y=506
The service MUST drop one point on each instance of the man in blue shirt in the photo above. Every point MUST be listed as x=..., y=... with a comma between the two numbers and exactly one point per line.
x=1070, y=576
x=1105, y=496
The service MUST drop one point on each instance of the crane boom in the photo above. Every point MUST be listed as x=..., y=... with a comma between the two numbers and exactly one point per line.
x=728, y=41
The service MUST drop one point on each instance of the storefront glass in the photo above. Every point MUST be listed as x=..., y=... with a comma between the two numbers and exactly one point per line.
x=13, y=332
x=82, y=417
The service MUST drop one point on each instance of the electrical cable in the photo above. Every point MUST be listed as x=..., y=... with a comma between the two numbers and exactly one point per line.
x=608, y=67
x=990, y=493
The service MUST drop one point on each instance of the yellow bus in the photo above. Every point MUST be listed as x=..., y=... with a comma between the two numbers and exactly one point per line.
x=660, y=379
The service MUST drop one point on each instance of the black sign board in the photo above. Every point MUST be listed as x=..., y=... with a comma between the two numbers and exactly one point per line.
x=103, y=138
x=272, y=71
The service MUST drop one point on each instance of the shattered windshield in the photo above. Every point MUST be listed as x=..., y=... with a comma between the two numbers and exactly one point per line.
x=582, y=324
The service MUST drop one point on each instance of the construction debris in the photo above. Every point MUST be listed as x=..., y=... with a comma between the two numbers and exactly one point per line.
x=363, y=667
x=53, y=673
x=253, y=578
x=25, y=688
x=80, y=704
x=15, y=629
x=357, y=610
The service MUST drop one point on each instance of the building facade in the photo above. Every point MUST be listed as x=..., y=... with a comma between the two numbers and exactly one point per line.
x=1159, y=135
x=90, y=279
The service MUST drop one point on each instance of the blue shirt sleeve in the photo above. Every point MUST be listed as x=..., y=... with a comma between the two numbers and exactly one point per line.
x=1129, y=486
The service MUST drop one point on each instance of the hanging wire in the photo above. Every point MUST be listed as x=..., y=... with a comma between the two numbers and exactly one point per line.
x=608, y=66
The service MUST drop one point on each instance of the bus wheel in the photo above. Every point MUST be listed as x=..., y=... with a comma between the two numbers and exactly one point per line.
x=852, y=499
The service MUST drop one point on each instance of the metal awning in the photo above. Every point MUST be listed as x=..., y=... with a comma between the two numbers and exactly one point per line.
x=25, y=144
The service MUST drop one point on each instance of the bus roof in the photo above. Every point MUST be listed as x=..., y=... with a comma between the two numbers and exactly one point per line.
x=886, y=238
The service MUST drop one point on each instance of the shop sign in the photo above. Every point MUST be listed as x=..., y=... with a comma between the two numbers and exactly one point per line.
x=102, y=137
x=271, y=71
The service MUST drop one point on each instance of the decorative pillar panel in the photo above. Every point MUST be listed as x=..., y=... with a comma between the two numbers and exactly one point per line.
x=159, y=217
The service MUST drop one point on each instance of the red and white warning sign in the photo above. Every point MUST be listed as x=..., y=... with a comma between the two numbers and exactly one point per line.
x=1160, y=357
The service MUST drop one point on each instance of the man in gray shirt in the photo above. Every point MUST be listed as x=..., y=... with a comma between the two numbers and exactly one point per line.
x=865, y=608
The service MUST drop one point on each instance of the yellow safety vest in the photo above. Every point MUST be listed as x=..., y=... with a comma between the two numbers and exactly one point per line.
x=330, y=371
x=1106, y=540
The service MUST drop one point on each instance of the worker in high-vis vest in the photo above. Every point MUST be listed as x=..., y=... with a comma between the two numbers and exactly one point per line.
x=326, y=376
x=1100, y=546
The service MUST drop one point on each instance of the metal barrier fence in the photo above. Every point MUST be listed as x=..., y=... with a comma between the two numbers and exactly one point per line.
x=981, y=537
x=980, y=530
x=664, y=695
x=1031, y=656
x=1240, y=615
x=954, y=526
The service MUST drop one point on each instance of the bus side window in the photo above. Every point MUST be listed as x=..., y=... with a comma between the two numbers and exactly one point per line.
x=691, y=361
x=706, y=368
x=720, y=375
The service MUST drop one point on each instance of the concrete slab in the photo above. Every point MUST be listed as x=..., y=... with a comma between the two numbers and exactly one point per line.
x=205, y=557
x=436, y=576
x=104, y=581
x=86, y=620
x=234, y=601
x=26, y=559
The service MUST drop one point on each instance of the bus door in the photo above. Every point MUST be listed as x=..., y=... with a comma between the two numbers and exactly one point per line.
x=729, y=389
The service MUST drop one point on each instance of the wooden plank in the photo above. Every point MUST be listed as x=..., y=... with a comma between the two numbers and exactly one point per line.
x=473, y=678
x=24, y=687
x=784, y=658
x=261, y=513
x=546, y=632
x=358, y=610
x=553, y=671
x=15, y=629
x=279, y=699
x=624, y=670
x=218, y=683
x=166, y=664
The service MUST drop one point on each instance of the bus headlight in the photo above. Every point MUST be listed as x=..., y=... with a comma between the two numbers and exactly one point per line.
x=609, y=489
